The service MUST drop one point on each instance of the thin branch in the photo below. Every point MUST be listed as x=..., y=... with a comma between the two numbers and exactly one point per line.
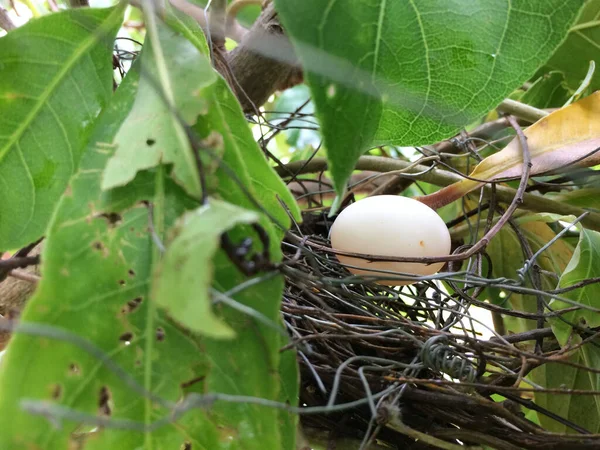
x=5, y=21
x=24, y=276
x=522, y=110
x=531, y=202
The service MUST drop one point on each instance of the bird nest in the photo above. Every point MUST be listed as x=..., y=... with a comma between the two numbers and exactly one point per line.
x=407, y=367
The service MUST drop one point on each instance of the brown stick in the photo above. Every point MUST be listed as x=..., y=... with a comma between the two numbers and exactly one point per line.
x=5, y=22
x=504, y=194
x=253, y=75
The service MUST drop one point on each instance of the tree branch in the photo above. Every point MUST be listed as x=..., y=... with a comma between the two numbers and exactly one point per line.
x=5, y=22
x=531, y=202
x=253, y=76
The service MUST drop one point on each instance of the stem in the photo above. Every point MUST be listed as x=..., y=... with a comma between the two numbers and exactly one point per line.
x=437, y=177
x=430, y=440
x=5, y=22
x=585, y=25
x=522, y=110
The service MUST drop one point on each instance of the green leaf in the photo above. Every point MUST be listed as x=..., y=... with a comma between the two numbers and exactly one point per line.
x=385, y=72
x=184, y=277
x=584, y=264
x=581, y=46
x=290, y=394
x=96, y=276
x=548, y=91
x=152, y=135
x=583, y=410
x=245, y=178
x=507, y=258
x=55, y=77
x=584, y=198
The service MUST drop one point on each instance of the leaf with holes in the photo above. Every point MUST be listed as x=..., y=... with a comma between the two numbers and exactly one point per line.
x=46, y=67
x=569, y=136
x=160, y=94
x=184, y=276
x=97, y=270
x=414, y=72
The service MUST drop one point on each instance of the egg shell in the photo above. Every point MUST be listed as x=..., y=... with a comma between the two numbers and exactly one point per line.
x=390, y=225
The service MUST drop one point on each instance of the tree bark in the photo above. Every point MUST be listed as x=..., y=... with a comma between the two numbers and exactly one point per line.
x=255, y=68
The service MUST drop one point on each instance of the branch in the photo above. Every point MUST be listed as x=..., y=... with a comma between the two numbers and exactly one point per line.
x=522, y=110
x=232, y=28
x=79, y=3
x=5, y=22
x=531, y=202
x=255, y=69
x=253, y=75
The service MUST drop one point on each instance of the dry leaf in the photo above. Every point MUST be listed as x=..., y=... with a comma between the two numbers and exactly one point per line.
x=567, y=137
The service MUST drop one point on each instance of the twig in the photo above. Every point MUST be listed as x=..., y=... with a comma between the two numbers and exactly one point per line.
x=16, y=262
x=232, y=28
x=24, y=276
x=531, y=202
x=5, y=22
x=426, y=438
x=522, y=110
x=79, y=3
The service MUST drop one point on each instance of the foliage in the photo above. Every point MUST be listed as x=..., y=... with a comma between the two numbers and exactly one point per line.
x=46, y=67
x=416, y=84
x=157, y=322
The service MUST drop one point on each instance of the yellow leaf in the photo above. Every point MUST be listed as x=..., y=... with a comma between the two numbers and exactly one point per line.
x=569, y=136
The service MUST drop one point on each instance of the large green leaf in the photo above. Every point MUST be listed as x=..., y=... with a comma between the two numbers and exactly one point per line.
x=183, y=280
x=96, y=275
x=97, y=271
x=414, y=72
x=55, y=77
x=582, y=46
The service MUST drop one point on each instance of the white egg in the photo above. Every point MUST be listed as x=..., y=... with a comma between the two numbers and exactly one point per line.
x=390, y=225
